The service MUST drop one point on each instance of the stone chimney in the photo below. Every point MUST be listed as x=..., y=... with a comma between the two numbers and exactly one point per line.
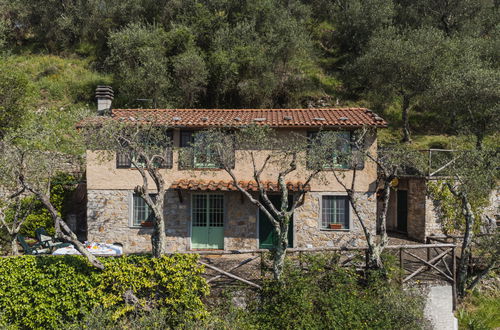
x=104, y=96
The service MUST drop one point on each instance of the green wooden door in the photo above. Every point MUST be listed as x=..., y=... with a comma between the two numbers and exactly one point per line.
x=207, y=231
x=267, y=236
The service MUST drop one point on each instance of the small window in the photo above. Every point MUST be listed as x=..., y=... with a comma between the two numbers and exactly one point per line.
x=197, y=157
x=335, y=212
x=337, y=157
x=125, y=159
x=142, y=214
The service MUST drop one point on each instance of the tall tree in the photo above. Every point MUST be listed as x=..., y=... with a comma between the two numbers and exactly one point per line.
x=467, y=90
x=392, y=163
x=271, y=156
x=453, y=17
x=473, y=174
x=400, y=66
x=146, y=146
x=32, y=154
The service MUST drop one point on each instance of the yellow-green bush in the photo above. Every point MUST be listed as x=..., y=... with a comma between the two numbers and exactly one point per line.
x=49, y=292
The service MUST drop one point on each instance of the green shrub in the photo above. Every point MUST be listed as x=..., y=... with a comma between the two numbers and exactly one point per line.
x=167, y=282
x=50, y=292
x=44, y=292
x=480, y=310
x=62, y=187
x=324, y=296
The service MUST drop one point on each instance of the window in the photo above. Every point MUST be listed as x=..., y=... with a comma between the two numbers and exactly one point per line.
x=338, y=156
x=124, y=159
x=142, y=214
x=199, y=157
x=204, y=157
x=208, y=210
x=335, y=212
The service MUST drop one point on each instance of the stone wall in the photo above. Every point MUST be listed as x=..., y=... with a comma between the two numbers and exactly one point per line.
x=109, y=221
x=417, y=191
x=308, y=232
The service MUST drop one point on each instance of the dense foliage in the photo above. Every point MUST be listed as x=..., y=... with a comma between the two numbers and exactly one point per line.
x=324, y=296
x=48, y=292
x=480, y=310
x=436, y=61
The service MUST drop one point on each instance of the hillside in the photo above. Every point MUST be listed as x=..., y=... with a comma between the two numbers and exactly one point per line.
x=429, y=68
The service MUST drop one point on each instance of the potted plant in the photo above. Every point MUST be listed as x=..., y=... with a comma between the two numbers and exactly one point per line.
x=147, y=224
x=335, y=226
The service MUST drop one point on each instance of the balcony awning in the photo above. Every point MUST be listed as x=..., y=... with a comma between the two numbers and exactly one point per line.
x=201, y=185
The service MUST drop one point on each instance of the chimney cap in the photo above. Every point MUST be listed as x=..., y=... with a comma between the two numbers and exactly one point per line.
x=104, y=92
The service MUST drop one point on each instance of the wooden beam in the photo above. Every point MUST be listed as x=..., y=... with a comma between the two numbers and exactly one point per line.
x=244, y=262
x=422, y=268
x=431, y=265
x=230, y=275
x=338, y=248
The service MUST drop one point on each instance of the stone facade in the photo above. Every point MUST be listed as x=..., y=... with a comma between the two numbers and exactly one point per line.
x=308, y=232
x=423, y=218
x=109, y=213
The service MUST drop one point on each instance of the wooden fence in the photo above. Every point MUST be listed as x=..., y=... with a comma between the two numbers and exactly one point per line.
x=422, y=262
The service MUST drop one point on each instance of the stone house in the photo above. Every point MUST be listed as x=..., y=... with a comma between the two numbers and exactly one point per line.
x=205, y=211
x=413, y=213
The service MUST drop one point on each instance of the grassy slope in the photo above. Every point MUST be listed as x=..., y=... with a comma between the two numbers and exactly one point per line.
x=58, y=82
x=480, y=310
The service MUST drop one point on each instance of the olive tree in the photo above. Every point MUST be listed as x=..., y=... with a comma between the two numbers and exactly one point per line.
x=32, y=154
x=392, y=163
x=13, y=213
x=146, y=146
x=462, y=196
x=400, y=65
x=271, y=156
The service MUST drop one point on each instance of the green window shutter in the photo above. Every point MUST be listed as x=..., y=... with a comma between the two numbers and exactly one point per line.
x=311, y=136
x=123, y=160
x=358, y=158
x=168, y=154
x=186, y=155
x=342, y=151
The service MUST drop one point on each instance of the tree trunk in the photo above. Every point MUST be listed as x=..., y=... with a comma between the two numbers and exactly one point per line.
x=374, y=257
x=14, y=248
x=374, y=251
x=479, y=140
x=466, y=245
x=62, y=229
x=406, y=119
x=382, y=221
x=158, y=238
x=280, y=248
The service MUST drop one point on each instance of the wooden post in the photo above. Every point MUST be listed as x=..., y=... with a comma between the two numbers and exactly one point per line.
x=300, y=260
x=262, y=265
x=454, y=276
x=401, y=264
x=428, y=253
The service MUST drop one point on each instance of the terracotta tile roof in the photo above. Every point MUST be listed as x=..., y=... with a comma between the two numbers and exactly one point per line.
x=201, y=185
x=200, y=118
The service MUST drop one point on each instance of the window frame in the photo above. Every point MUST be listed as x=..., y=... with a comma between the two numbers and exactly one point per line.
x=337, y=165
x=191, y=163
x=132, y=197
x=348, y=209
x=207, y=194
x=124, y=160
